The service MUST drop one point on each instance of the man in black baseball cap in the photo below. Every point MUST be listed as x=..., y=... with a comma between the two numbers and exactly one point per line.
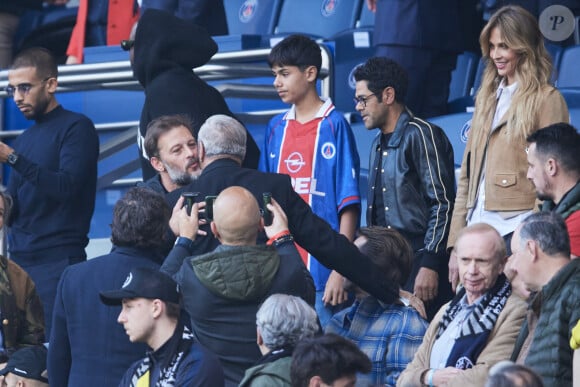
x=151, y=314
x=147, y=283
x=26, y=367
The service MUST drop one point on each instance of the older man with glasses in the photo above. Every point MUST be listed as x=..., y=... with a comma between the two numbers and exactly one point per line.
x=53, y=178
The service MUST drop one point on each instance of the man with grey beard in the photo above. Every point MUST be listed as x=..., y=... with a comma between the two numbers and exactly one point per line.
x=172, y=151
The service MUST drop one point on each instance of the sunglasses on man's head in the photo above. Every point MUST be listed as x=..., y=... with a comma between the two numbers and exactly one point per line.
x=127, y=44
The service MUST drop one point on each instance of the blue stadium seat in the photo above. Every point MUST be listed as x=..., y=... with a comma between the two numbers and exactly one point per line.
x=463, y=75
x=461, y=104
x=319, y=18
x=456, y=127
x=351, y=48
x=571, y=96
x=575, y=118
x=555, y=52
x=568, y=71
x=367, y=18
x=252, y=17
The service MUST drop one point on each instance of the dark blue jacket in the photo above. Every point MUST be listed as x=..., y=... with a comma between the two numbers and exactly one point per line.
x=87, y=345
x=196, y=367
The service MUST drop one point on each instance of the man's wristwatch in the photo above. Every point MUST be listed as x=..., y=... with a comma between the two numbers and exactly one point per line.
x=186, y=243
x=12, y=158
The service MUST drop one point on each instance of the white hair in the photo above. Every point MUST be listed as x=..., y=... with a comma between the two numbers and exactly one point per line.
x=284, y=320
x=223, y=135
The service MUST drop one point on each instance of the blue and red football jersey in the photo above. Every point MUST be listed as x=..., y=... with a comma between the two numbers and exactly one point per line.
x=322, y=160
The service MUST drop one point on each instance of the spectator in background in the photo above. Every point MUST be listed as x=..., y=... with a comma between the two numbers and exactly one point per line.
x=282, y=322
x=20, y=308
x=151, y=314
x=209, y=14
x=222, y=289
x=26, y=368
x=554, y=168
x=10, y=12
x=166, y=50
x=515, y=99
x=315, y=146
x=478, y=327
x=53, y=178
x=101, y=23
x=328, y=360
x=389, y=334
x=411, y=185
x=87, y=346
x=541, y=257
x=424, y=37
x=172, y=152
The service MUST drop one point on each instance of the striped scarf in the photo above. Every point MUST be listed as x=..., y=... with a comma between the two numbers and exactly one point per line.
x=167, y=376
x=477, y=326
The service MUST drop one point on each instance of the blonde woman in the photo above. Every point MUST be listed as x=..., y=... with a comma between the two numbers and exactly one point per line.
x=514, y=100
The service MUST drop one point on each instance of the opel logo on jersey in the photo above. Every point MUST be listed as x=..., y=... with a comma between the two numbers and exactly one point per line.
x=328, y=7
x=247, y=10
x=294, y=162
x=328, y=150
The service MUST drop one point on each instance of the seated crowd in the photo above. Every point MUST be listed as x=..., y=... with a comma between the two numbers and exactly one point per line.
x=224, y=289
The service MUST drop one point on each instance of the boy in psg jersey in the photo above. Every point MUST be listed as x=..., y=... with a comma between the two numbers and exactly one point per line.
x=313, y=143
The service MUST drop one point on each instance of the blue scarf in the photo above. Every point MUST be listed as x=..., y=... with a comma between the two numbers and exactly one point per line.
x=477, y=326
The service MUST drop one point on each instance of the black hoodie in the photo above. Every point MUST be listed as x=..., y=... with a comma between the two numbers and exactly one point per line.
x=166, y=50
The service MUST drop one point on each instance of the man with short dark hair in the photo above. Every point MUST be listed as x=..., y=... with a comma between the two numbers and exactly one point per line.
x=554, y=168
x=541, y=259
x=328, y=360
x=151, y=315
x=172, y=152
x=390, y=334
x=411, y=185
x=26, y=368
x=53, y=177
x=87, y=346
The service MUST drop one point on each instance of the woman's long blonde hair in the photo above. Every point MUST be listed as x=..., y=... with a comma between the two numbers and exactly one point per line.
x=520, y=31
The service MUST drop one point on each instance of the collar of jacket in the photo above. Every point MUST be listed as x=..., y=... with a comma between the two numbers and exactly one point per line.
x=220, y=163
x=399, y=131
x=146, y=253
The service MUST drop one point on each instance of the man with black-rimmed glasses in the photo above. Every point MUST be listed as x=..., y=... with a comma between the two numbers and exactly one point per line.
x=53, y=177
x=411, y=184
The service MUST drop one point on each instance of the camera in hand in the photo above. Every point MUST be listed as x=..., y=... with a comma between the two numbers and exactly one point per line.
x=267, y=214
x=209, y=207
x=189, y=200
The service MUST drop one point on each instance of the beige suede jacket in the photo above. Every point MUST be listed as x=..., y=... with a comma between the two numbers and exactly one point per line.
x=507, y=188
x=499, y=347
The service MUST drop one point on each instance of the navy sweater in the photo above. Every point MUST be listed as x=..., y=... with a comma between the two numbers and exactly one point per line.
x=53, y=184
